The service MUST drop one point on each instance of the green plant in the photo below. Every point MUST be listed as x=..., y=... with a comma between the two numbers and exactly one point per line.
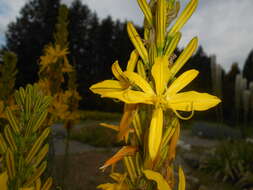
x=231, y=161
x=22, y=144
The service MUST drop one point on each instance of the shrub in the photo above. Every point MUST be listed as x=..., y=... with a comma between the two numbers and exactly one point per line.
x=232, y=161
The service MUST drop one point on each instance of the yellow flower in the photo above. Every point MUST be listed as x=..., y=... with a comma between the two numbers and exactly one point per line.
x=56, y=51
x=163, y=97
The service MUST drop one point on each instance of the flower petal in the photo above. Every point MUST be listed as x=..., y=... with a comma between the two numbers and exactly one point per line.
x=126, y=120
x=173, y=143
x=130, y=96
x=107, y=86
x=125, y=151
x=182, y=81
x=139, y=81
x=116, y=71
x=184, y=56
x=181, y=185
x=185, y=15
x=192, y=100
x=3, y=181
x=170, y=48
x=158, y=178
x=155, y=132
x=137, y=42
x=132, y=61
x=160, y=73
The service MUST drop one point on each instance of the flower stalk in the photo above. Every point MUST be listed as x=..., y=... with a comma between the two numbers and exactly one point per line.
x=151, y=91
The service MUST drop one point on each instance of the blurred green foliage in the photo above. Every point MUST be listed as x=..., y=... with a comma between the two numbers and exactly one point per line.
x=232, y=161
x=95, y=135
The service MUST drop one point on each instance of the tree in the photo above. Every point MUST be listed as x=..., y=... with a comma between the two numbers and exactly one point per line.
x=248, y=67
x=28, y=35
x=229, y=93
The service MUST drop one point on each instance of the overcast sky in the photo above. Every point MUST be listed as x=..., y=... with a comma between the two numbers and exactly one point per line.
x=224, y=27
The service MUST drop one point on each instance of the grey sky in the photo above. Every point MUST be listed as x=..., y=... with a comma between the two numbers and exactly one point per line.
x=224, y=27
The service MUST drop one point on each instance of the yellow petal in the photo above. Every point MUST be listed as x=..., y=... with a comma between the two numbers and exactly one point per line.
x=125, y=151
x=141, y=70
x=107, y=86
x=116, y=70
x=158, y=178
x=160, y=73
x=126, y=120
x=181, y=185
x=139, y=81
x=26, y=188
x=173, y=143
x=137, y=42
x=38, y=184
x=182, y=81
x=192, y=100
x=185, y=15
x=3, y=181
x=114, y=127
x=155, y=132
x=146, y=10
x=107, y=186
x=130, y=96
x=184, y=56
x=132, y=61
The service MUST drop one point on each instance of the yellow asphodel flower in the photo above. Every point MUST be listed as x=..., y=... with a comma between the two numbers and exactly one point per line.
x=163, y=97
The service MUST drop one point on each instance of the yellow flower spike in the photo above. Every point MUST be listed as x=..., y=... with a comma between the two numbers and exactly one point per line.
x=141, y=70
x=146, y=11
x=172, y=44
x=162, y=184
x=161, y=16
x=185, y=15
x=137, y=42
x=155, y=132
x=160, y=73
x=184, y=56
x=181, y=185
x=139, y=81
x=3, y=181
x=132, y=61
